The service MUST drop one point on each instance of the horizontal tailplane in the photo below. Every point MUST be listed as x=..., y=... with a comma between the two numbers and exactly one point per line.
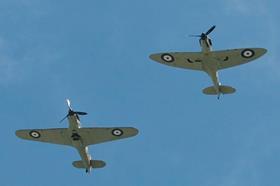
x=226, y=89
x=222, y=89
x=94, y=164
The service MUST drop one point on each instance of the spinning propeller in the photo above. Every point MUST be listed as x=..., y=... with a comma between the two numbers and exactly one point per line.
x=71, y=112
x=204, y=35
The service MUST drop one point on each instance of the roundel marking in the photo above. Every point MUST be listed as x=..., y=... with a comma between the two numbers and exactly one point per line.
x=167, y=58
x=34, y=134
x=117, y=132
x=247, y=53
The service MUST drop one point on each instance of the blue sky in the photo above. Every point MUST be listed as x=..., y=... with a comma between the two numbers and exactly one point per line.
x=96, y=54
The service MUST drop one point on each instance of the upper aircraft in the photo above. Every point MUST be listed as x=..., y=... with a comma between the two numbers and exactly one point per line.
x=77, y=137
x=210, y=61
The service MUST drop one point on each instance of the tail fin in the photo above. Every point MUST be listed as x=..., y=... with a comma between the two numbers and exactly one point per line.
x=94, y=164
x=223, y=89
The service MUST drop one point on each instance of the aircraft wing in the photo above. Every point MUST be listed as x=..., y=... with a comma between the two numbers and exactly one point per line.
x=56, y=136
x=188, y=60
x=91, y=136
x=234, y=57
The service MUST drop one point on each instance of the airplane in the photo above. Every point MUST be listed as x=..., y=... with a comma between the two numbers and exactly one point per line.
x=78, y=137
x=210, y=61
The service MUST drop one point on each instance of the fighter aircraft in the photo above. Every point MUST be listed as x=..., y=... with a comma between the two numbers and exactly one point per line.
x=78, y=137
x=210, y=61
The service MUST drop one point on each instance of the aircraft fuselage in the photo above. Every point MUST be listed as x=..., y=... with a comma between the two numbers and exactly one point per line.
x=210, y=65
x=77, y=141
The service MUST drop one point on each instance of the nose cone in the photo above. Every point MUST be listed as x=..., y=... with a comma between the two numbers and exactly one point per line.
x=203, y=36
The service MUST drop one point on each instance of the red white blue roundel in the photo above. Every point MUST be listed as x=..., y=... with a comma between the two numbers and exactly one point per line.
x=167, y=58
x=34, y=134
x=117, y=132
x=247, y=53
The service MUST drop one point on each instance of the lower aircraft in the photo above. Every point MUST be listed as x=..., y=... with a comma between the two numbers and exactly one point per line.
x=78, y=137
x=210, y=61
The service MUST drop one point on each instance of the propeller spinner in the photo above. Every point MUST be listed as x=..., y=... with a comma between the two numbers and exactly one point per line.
x=204, y=35
x=71, y=112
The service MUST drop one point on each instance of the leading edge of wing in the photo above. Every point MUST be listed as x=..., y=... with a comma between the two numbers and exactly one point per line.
x=249, y=53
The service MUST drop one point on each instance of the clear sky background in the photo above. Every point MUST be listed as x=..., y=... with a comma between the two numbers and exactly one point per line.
x=96, y=54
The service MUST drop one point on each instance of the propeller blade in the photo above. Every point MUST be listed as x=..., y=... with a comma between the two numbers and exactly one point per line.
x=194, y=35
x=81, y=113
x=78, y=113
x=68, y=103
x=71, y=112
x=210, y=30
x=63, y=118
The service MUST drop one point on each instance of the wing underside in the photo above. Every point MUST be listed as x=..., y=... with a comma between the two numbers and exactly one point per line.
x=55, y=136
x=235, y=57
x=195, y=60
x=187, y=60
x=93, y=136
x=88, y=136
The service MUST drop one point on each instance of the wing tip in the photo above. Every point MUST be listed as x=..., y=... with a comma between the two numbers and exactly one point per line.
x=152, y=56
x=18, y=133
x=261, y=50
x=135, y=130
